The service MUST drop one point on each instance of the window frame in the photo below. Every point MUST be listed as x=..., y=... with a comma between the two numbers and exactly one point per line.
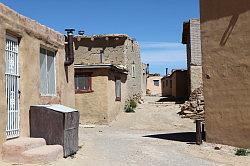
x=133, y=71
x=47, y=80
x=83, y=74
x=156, y=81
x=118, y=98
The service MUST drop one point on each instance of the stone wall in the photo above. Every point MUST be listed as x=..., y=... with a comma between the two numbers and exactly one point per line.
x=192, y=39
x=118, y=50
x=226, y=70
x=32, y=36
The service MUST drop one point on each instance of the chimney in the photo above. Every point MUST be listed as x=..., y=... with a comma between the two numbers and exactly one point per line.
x=166, y=71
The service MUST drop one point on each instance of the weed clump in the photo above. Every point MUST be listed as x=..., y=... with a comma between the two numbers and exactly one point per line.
x=242, y=152
x=130, y=106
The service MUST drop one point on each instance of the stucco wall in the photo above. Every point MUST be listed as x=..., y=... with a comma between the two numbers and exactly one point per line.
x=226, y=67
x=116, y=107
x=154, y=90
x=32, y=35
x=166, y=90
x=93, y=106
x=100, y=106
x=181, y=84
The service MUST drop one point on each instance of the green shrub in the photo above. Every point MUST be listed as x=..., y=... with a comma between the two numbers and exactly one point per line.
x=242, y=152
x=130, y=106
x=133, y=104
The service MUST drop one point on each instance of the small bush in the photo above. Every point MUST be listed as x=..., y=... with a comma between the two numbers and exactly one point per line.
x=133, y=104
x=242, y=152
x=130, y=106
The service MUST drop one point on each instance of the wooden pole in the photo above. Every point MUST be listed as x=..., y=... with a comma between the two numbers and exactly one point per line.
x=198, y=132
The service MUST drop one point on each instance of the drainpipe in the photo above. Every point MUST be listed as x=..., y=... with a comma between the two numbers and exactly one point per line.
x=69, y=49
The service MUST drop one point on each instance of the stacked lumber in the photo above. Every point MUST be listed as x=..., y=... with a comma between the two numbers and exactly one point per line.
x=194, y=107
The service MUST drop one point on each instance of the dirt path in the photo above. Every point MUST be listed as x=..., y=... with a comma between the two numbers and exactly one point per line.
x=153, y=135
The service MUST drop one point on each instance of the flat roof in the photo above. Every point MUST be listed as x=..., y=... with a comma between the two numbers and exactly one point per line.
x=119, y=68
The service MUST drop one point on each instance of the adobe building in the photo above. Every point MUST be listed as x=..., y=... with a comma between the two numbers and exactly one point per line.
x=166, y=86
x=100, y=92
x=191, y=37
x=32, y=72
x=225, y=35
x=154, y=85
x=175, y=84
x=116, y=49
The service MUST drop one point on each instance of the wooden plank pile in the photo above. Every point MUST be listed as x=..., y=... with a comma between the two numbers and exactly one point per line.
x=194, y=107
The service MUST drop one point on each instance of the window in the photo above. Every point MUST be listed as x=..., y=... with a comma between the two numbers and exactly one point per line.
x=166, y=82
x=47, y=72
x=170, y=83
x=83, y=83
x=156, y=82
x=133, y=70
x=163, y=84
x=118, y=90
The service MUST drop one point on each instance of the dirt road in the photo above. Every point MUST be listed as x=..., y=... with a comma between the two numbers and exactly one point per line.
x=153, y=135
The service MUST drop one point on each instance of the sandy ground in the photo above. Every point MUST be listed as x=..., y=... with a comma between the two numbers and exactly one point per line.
x=153, y=135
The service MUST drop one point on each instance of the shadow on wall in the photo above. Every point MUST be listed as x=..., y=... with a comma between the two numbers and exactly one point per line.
x=188, y=137
x=229, y=30
x=231, y=8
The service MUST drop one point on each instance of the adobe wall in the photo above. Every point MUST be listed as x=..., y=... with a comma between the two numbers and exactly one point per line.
x=166, y=90
x=119, y=50
x=116, y=107
x=132, y=57
x=154, y=90
x=32, y=35
x=225, y=48
x=182, y=84
x=88, y=51
x=144, y=76
x=93, y=106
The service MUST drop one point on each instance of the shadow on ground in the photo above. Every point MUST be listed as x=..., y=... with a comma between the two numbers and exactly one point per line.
x=172, y=99
x=188, y=137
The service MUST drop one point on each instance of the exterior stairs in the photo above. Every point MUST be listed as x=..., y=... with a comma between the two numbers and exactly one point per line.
x=26, y=150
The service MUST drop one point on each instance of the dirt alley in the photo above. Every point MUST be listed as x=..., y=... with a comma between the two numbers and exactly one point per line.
x=153, y=135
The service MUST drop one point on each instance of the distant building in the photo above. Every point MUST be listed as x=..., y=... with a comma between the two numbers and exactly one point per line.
x=191, y=37
x=100, y=92
x=154, y=85
x=175, y=84
x=226, y=69
x=99, y=59
x=116, y=49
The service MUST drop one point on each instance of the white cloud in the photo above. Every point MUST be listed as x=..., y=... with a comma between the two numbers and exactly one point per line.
x=160, y=45
x=163, y=53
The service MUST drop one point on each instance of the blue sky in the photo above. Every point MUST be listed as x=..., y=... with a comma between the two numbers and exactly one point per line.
x=156, y=24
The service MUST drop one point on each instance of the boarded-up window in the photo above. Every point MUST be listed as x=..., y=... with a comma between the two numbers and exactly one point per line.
x=47, y=72
x=118, y=89
x=83, y=82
